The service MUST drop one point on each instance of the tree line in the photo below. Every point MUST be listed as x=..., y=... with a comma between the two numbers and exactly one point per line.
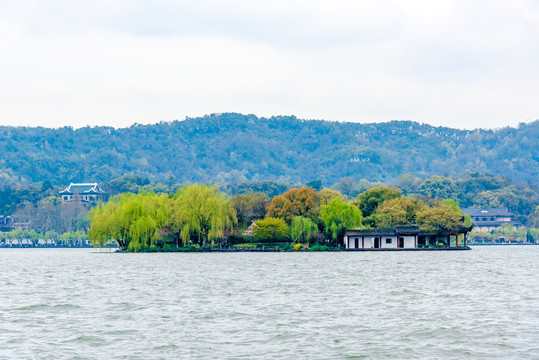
x=234, y=148
x=39, y=206
x=201, y=215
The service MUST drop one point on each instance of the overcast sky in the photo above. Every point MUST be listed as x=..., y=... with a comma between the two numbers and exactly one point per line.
x=464, y=64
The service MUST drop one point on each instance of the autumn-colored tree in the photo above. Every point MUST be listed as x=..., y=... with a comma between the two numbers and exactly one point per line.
x=295, y=202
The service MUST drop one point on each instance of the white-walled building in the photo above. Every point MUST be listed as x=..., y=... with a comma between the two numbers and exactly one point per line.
x=403, y=237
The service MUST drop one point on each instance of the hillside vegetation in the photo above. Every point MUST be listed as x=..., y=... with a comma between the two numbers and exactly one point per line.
x=234, y=148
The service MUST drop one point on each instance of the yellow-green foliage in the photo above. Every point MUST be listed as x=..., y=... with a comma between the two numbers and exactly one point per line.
x=326, y=195
x=441, y=218
x=340, y=215
x=402, y=210
x=453, y=204
x=133, y=221
x=302, y=228
x=137, y=221
x=270, y=229
x=296, y=246
x=202, y=212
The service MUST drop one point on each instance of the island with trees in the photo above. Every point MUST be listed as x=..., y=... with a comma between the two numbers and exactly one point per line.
x=199, y=217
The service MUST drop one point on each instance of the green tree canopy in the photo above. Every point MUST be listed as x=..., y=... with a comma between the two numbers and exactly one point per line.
x=302, y=228
x=369, y=200
x=401, y=210
x=439, y=187
x=133, y=221
x=441, y=218
x=326, y=195
x=201, y=213
x=272, y=229
x=250, y=206
x=338, y=216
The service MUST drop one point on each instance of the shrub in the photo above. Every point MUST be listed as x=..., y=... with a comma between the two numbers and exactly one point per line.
x=318, y=247
x=270, y=230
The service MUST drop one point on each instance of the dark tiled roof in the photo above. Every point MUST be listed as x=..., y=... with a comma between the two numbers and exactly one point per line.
x=397, y=230
x=402, y=230
x=487, y=211
x=373, y=232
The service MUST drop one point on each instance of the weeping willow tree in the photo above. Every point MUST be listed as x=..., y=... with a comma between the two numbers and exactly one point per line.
x=338, y=216
x=133, y=221
x=302, y=228
x=201, y=213
x=137, y=221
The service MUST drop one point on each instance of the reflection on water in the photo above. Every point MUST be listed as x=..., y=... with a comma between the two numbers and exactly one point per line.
x=75, y=303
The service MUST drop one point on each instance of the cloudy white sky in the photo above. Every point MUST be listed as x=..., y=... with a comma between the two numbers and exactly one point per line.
x=464, y=64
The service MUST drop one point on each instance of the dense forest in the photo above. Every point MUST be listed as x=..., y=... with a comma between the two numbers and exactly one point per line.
x=40, y=205
x=234, y=148
x=244, y=154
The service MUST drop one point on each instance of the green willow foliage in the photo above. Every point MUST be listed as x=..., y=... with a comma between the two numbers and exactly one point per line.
x=302, y=228
x=194, y=212
x=338, y=216
x=202, y=212
x=133, y=221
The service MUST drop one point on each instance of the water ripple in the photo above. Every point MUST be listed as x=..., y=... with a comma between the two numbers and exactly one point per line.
x=76, y=304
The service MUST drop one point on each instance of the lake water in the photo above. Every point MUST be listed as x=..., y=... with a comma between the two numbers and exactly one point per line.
x=79, y=304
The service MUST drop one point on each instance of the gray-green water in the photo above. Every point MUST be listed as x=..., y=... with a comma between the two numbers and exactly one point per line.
x=78, y=304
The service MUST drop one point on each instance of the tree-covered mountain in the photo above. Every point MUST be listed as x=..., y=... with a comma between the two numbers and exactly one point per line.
x=231, y=148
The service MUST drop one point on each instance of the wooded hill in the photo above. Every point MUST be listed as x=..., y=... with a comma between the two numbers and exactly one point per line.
x=231, y=148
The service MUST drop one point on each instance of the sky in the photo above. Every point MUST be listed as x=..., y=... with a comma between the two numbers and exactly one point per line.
x=463, y=64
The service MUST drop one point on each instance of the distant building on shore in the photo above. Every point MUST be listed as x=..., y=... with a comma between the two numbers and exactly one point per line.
x=84, y=192
x=11, y=222
x=6, y=223
x=490, y=219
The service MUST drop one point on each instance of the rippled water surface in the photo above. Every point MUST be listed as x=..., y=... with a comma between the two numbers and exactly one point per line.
x=79, y=304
